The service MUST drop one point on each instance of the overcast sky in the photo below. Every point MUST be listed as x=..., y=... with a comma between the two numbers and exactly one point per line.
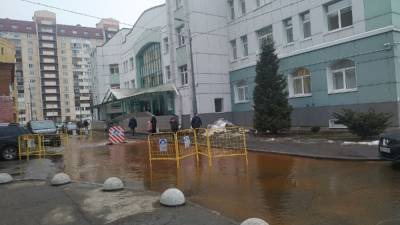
x=126, y=11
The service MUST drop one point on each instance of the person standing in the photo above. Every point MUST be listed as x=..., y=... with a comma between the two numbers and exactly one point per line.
x=86, y=127
x=196, y=121
x=153, y=124
x=174, y=123
x=132, y=125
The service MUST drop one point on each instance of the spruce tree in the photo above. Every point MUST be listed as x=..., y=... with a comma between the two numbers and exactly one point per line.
x=271, y=108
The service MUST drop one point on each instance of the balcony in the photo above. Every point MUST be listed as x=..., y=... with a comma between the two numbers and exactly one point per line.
x=51, y=99
x=50, y=76
x=83, y=98
x=47, y=45
x=49, y=68
x=50, y=83
x=48, y=52
x=52, y=114
x=46, y=30
x=50, y=91
x=46, y=38
x=51, y=106
x=49, y=60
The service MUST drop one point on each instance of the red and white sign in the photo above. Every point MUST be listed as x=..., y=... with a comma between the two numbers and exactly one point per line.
x=116, y=135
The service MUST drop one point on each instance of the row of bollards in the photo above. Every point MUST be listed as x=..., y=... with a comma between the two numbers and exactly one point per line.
x=172, y=197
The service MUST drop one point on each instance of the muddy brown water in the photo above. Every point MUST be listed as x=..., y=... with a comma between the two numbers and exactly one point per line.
x=283, y=190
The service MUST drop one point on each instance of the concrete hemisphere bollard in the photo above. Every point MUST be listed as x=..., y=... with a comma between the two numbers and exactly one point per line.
x=254, y=221
x=60, y=179
x=172, y=197
x=5, y=178
x=113, y=184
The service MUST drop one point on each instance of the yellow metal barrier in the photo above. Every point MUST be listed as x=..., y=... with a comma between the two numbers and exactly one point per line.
x=210, y=143
x=186, y=144
x=162, y=146
x=31, y=144
x=223, y=142
x=203, y=144
x=85, y=133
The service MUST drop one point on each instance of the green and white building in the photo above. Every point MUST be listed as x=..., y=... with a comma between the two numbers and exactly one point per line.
x=335, y=54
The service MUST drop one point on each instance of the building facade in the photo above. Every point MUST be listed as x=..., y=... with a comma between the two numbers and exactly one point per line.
x=53, y=66
x=7, y=82
x=335, y=54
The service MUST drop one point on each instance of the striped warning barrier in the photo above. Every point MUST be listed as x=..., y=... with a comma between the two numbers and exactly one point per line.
x=116, y=135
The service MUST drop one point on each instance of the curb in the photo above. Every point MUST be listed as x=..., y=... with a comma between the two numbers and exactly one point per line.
x=322, y=157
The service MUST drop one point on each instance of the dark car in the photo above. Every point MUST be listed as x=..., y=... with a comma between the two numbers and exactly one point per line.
x=9, y=134
x=48, y=129
x=389, y=146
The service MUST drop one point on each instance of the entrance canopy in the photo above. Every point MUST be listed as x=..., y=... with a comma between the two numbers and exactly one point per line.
x=121, y=94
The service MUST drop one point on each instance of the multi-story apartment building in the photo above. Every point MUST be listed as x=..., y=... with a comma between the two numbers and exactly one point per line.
x=7, y=82
x=53, y=65
x=334, y=53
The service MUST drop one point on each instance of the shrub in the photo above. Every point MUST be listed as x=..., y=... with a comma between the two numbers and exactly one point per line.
x=364, y=124
x=315, y=129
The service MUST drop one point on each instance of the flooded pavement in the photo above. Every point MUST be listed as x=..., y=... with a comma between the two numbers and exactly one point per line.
x=283, y=190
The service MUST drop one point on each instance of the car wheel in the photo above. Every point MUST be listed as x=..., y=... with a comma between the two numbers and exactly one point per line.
x=9, y=153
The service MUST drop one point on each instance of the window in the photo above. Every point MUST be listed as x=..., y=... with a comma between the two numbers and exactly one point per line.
x=339, y=14
x=30, y=66
x=305, y=24
x=125, y=66
x=231, y=7
x=288, y=29
x=181, y=36
x=300, y=83
x=133, y=83
x=149, y=66
x=241, y=90
x=114, y=69
x=132, y=65
x=218, y=104
x=184, y=75
x=178, y=3
x=245, y=45
x=2, y=50
x=168, y=72
x=342, y=77
x=243, y=6
x=264, y=35
x=234, y=49
x=166, y=45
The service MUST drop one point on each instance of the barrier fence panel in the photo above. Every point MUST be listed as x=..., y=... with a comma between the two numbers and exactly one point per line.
x=30, y=144
x=202, y=143
x=162, y=146
x=186, y=143
x=210, y=143
x=55, y=144
x=229, y=141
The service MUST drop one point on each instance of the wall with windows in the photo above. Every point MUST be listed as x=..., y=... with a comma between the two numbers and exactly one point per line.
x=293, y=25
x=358, y=74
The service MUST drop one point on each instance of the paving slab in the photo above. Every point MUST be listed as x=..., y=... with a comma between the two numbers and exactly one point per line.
x=36, y=202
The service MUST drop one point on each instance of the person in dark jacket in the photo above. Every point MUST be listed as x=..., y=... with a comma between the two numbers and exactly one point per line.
x=153, y=124
x=196, y=121
x=174, y=123
x=132, y=124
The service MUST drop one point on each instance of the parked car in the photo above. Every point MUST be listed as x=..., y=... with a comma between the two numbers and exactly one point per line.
x=9, y=134
x=48, y=129
x=389, y=146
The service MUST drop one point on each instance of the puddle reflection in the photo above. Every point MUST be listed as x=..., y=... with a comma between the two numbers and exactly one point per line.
x=283, y=190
